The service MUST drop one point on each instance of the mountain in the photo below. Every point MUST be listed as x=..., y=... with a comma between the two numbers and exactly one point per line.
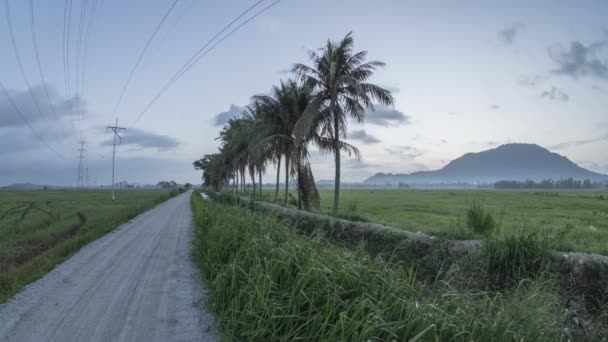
x=507, y=162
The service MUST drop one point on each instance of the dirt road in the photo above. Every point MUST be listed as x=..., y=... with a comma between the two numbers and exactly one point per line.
x=134, y=284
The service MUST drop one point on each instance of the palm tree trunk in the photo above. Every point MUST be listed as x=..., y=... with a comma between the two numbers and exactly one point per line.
x=337, y=159
x=276, y=191
x=299, y=188
x=236, y=178
x=299, y=175
x=286, y=178
x=242, y=180
x=252, y=174
x=260, y=181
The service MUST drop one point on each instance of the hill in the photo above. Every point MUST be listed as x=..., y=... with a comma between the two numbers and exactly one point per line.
x=507, y=162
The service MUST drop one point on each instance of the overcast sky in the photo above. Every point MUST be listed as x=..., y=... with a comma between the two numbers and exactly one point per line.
x=466, y=76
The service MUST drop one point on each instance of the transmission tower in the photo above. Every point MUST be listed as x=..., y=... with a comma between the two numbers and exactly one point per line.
x=82, y=164
x=117, y=138
x=87, y=176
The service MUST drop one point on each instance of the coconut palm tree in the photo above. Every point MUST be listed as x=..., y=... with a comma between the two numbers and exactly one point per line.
x=280, y=119
x=339, y=77
x=287, y=104
x=234, y=144
x=259, y=148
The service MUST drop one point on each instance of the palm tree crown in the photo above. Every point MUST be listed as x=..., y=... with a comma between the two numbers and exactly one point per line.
x=339, y=79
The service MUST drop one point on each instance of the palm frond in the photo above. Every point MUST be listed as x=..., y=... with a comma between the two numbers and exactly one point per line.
x=305, y=123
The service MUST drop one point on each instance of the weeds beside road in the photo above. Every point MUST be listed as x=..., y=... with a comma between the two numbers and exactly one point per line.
x=273, y=280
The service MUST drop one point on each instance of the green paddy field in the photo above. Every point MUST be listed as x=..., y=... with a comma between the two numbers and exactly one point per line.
x=574, y=220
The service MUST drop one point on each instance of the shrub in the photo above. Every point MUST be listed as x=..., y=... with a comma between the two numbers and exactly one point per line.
x=478, y=219
x=509, y=259
x=292, y=200
x=352, y=207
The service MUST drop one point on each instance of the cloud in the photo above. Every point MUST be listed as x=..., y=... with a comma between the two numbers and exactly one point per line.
x=404, y=152
x=572, y=143
x=358, y=164
x=222, y=118
x=387, y=117
x=580, y=60
x=363, y=136
x=53, y=107
x=532, y=81
x=555, y=94
x=593, y=166
x=141, y=139
x=495, y=107
x=508, y=34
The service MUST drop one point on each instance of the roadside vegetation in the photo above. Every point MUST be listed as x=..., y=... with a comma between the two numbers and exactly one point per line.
x=275, y=278
x=40, y=229
x=310, y=110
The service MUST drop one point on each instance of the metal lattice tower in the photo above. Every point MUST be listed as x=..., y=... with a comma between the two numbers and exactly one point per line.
x=82, y=164
x=117, y=139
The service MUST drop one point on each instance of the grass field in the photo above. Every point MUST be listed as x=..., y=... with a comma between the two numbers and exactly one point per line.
x=272, y=283
x=577, y=220
x=39, y=229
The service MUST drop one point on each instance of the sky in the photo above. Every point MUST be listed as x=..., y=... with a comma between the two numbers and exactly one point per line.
x=466, y=76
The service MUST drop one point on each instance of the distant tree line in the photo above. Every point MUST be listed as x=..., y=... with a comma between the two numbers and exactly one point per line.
x=568, y=183
x=167, y=184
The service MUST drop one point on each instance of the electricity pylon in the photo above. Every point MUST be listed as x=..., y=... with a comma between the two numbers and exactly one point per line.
x=117, y=138
x=81, y=164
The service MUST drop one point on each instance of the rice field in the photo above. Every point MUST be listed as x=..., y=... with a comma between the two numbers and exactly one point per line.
x=578, y=220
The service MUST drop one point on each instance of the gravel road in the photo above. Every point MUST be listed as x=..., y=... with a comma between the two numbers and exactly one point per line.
x=134, y=284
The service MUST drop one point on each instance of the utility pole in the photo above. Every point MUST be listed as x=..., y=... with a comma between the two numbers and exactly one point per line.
x=81, y=163
x=117, y=138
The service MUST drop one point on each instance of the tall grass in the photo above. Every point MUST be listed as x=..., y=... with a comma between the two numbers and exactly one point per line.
x=479, y=220
x=271, y=284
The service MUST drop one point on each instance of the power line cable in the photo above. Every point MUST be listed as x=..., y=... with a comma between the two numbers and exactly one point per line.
x=10, y=99
x=20, y=62
x=89, y=28
x=83, y=14
x=141, y=55
x=39, y=63
x=198, y=56
x=77, y=69
x=18, y=57
x=185, y=65
x=67, y=12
